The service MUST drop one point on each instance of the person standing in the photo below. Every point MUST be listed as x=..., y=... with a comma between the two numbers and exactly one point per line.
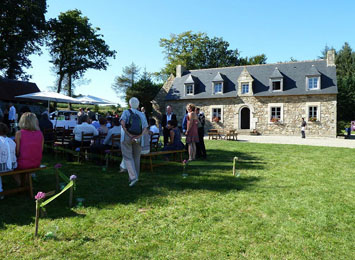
x=192, y=131
x=167, y=117
x=12, y=117
x=303, y=128
x=200, y=148
x=134, y=125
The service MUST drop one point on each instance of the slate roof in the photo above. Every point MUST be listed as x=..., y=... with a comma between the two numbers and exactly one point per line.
x=11, y=88
x=293, y=73
x=276, y=73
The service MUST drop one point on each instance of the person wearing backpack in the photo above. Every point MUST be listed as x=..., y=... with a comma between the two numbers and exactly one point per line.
x=134, y=125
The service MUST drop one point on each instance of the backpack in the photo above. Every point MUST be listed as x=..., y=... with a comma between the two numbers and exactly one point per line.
x=134, y=125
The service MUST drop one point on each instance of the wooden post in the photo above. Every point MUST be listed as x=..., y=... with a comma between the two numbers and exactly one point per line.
x=71, y=194
x=37, y=217
x=234, y=163
x=57, y=180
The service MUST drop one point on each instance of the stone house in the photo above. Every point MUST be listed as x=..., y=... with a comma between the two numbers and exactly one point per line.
x=269, y=98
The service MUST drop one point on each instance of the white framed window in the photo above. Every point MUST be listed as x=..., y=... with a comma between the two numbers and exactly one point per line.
x=217, y=112
x=276, y=84
x=245, y=88
x=313, y=111
x=217, y=87
x=313, y=83
x=189, y=89
x=275, y=114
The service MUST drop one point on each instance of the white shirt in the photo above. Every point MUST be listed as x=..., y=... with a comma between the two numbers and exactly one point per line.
x=155, y=130
x=12, y=113
x=86, y=128
x=113, y=131
x=7, y=153
x=168, y=118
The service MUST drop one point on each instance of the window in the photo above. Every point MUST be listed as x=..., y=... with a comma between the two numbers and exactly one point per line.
x=313, y=83
x=245, y=88
x=313, y=113
x=275, y=114
x=276, y=85
x=189, y=89
x=217, y=88
x=216, y=113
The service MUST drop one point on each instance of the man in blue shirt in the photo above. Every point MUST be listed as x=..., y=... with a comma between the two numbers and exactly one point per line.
x=130, y=143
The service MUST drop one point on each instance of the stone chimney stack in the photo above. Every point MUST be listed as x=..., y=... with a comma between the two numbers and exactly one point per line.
x=330, y=58
x=179, y=71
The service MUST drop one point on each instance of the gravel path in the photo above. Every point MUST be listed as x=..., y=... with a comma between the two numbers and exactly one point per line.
x=323, y=141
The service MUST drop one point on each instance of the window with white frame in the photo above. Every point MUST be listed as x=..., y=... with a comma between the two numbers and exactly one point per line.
x=313, y=83
x=276, y=85
x=245, y=88
x=217, y=87
x=216, y=113
x=189, y=89
x=275, y=114
x=312, y=113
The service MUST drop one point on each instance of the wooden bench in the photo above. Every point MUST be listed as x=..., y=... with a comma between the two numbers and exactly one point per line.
x=153, y=154
x=27, y=183
x=214, y=134
x=232, y=135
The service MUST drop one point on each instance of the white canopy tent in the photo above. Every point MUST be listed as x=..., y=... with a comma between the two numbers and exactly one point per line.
x=50, y=96
x=88, y=99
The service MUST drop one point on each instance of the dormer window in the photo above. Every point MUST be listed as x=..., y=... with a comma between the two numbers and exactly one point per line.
x=189, y=85
x=217, y=84
x=217, y=87
x=276, y=81
x=245, y=83
x=189, y=89
x=276, y=85
x=313, y=79
x=245, y=88
x=313, y=83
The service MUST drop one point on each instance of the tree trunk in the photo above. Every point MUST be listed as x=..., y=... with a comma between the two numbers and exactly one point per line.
x=69, y=89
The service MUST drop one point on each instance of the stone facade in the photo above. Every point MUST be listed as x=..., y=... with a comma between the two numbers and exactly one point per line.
x=293, y=109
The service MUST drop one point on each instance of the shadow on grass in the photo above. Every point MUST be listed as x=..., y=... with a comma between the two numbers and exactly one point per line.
x=101, y=188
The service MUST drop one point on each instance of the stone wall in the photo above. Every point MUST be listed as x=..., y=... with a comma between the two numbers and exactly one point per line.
x=294, y=108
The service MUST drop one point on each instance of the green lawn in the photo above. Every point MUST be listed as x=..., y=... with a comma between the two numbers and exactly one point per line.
x=290, y=202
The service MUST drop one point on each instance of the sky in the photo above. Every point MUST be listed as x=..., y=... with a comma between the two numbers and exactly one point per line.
x=279, y=29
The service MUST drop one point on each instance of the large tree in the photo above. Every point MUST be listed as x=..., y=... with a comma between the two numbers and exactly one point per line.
x=133, y=84
x=345, y=62
x=76, y=46
x=22, y=27
x=130, y=74
x=198, y=51
x=145, y=90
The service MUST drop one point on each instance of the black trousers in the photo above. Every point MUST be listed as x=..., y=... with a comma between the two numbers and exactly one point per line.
x=166, y=134
x=200, y=146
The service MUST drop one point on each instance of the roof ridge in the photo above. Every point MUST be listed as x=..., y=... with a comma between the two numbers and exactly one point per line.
x=267, y=64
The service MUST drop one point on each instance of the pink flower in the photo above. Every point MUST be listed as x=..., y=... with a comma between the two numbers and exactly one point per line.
x=184, y=162
x=40, y=195
x=57, y=166
x=73, y=177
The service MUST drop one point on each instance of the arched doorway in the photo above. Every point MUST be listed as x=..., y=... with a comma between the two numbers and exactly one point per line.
x=245, y=118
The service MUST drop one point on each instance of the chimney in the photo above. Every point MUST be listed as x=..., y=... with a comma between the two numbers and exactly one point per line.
x=330, y=58
x=179, y=71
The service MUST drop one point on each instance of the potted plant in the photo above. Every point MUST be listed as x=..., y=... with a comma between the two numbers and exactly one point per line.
x=312, y=119
x=274, y=120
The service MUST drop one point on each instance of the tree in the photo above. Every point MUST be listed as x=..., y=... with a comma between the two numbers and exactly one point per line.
x=258, y=59
x=198, y=51
x=145, y=90
x=132, y=84
x=126, y=80
x=75, y=47
x=22, y=27
x=345, y=62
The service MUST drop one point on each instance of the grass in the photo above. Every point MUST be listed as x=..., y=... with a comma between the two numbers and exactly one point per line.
x=290, y=202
